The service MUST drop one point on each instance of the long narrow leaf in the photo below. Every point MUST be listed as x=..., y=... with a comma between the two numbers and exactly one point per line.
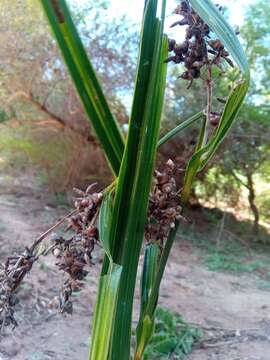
x=134, y=231
x=85, y=80
x=104, y=319
x=136, y=171
x=179, y=128
x=146, y=324
x=105, y=308
x=230, y=112
x=127, y=171
x=105, y=218
x=151, y=260
x=202, y=135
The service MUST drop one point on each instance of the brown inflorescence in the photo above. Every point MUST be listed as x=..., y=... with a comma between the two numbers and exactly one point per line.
x=164, y=209
x=198, y=49
x=73, y=256
x=75, y=253
x=15, y=269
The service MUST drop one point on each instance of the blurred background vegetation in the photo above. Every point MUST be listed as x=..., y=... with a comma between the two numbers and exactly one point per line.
x=43, y=130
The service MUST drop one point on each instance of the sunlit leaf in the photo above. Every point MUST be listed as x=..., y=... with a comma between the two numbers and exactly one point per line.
x=104, y=318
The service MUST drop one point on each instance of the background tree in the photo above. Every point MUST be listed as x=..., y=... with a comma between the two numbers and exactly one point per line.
x=37, y=95
x=247, y=148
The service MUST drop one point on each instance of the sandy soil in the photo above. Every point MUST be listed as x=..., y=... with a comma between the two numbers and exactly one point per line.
x=233, y=311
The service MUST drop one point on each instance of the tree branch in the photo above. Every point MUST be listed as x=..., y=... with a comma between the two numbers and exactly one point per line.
x=87, y=137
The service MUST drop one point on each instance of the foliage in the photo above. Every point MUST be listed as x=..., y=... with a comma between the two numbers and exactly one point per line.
x=53, y=155
x=218, y=187
x=173, y=337
x=241, y=164
x=229, y=262
x=22, y=72
x=3, y=116
x=256, y=36
x=263, y=201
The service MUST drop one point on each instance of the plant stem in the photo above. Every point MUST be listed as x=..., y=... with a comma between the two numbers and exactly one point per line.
x=162, y=264
x=149, y=311
x=209, y=88
x=47, y=232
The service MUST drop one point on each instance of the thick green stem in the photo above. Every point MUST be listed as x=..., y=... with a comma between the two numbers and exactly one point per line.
x=146, y=323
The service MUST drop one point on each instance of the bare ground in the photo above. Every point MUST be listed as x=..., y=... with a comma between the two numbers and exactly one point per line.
x=232, y=310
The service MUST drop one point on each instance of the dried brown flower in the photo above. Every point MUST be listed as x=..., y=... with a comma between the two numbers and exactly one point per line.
x=73, y=256
x=164, y=208
x=198, y=45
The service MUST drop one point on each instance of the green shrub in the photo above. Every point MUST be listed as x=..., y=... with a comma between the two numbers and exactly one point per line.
x=173, y=337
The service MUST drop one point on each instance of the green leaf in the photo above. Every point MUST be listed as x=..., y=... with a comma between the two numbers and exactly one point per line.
x=150, y=301
x=150, y=265
x=165, y=346
x=146, y=323
x=179, y=128
x=105, y=218
x=172, y=338
x=166, y=318
x=3, y=116
x=104, y=317
x=146, y=331
x=128, y=166
x=85, y=80
x=230, y=112
x=135, y=177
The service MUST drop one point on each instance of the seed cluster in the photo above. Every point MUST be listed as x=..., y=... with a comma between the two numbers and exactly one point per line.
x=74, y=254
x=15, y=269
x=164, y=208
x=194, y=52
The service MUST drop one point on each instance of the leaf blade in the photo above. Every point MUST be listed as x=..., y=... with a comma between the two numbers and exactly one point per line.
x=179, y=128
x=104, y=317
x=133, y=186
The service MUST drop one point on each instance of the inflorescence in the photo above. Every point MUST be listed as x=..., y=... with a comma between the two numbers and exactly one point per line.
x=73, y=255
x=164, y=209
x=198, y=49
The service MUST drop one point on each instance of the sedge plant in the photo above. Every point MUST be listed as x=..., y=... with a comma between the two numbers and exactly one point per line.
x=122, y=209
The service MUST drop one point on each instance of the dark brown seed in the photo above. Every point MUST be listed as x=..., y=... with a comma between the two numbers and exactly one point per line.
x=195, y=73
x=216, y=45
x=171, y=44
